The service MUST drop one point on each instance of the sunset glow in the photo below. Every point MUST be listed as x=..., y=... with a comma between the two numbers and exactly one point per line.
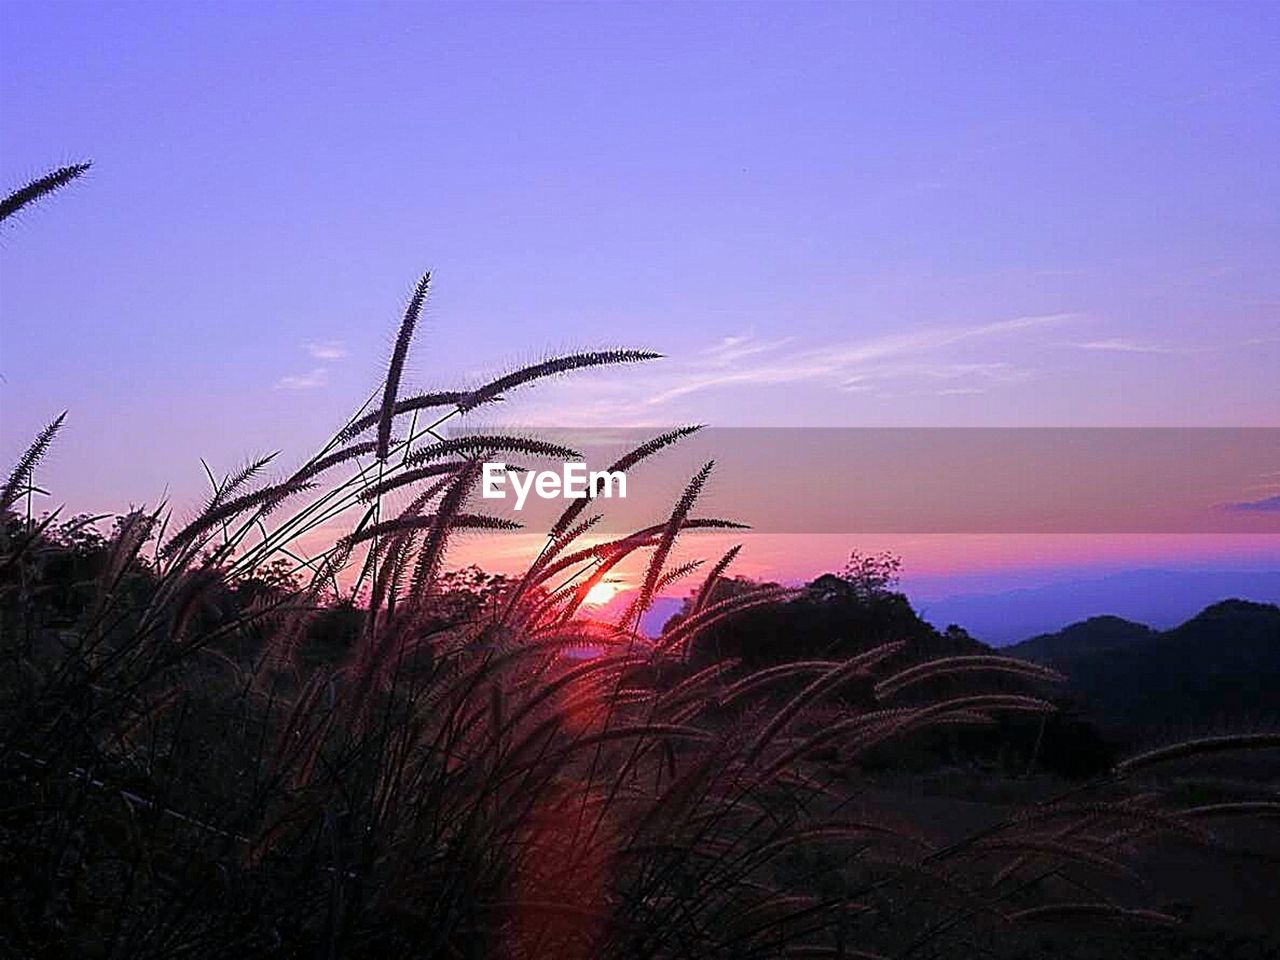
x=602, y=593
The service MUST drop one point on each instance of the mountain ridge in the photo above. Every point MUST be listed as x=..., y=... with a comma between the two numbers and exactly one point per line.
x=1162, y=599
x=1217, y=670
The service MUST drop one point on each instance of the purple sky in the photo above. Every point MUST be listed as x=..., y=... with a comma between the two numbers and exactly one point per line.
x=824, y=214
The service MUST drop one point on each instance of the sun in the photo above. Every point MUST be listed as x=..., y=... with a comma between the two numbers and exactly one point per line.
x=601, y=593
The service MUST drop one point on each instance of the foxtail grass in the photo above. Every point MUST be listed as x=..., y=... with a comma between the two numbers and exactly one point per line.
x=220, y=742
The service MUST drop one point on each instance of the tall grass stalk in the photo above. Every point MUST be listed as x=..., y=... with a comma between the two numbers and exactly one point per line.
x=228, y=746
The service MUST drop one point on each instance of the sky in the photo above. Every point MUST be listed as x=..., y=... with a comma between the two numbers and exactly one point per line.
x=823, y=215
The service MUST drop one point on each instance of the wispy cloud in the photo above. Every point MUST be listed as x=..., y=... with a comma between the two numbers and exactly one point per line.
x=732, y=350
x=925, y=361
x=1265, y=505
x=1125, y=345
x=316, y=378
x=327, y=349
x=847, y=366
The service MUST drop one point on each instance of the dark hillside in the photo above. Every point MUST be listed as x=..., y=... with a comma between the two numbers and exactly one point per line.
x=834, y=618
x=1218, y=671
x=830, y=619
x=1097, y=635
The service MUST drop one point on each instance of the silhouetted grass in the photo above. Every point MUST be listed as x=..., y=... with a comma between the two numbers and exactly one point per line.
x=184, y=776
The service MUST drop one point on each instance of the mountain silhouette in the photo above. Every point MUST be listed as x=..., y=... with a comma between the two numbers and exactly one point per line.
x=1097, y=635
x=1159, y=598
x=1218, y=671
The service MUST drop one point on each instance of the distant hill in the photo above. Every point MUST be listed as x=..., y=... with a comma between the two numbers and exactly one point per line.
x=829, y=620
x=1218, y=670
x=834, y=619
x=1159, y=598
x=663, y=609
x=1097, y=635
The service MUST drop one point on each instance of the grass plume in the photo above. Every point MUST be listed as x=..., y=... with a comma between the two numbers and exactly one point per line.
x=40, y=188
x=395, y=369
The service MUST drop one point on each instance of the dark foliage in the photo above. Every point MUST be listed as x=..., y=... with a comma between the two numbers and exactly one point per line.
x=1218, y=671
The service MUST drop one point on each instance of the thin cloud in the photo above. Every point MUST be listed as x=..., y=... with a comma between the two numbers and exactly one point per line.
x=1124, y=345
x=327, y=349
x=1265, y=505
x=319, y=377
x=732, y=350
x=847, y=366
x=910, y=363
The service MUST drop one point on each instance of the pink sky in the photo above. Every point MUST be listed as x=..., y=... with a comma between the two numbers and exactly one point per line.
x=934, y=565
